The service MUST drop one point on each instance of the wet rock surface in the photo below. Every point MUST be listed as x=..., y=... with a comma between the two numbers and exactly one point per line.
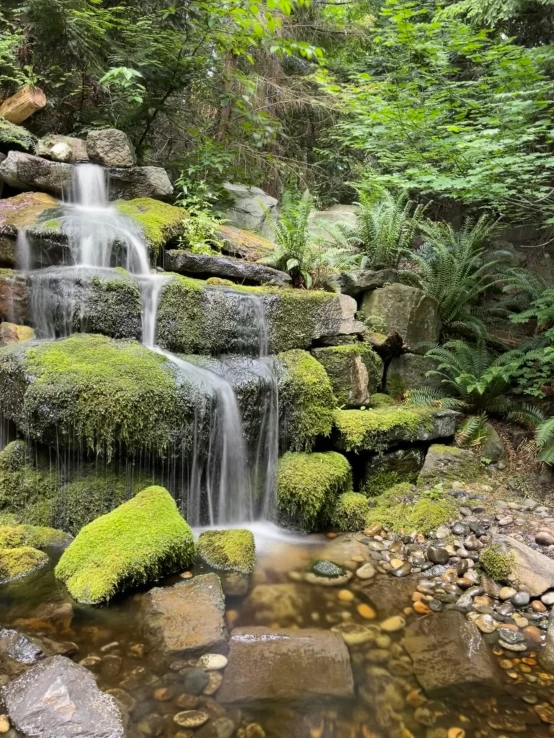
x=185, y=262
x=269, y=664
x=59, y=698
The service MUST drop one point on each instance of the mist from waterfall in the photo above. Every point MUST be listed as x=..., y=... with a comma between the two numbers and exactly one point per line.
x=221, y=480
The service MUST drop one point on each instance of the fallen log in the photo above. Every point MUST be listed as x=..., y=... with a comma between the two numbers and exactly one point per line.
x=24, y=103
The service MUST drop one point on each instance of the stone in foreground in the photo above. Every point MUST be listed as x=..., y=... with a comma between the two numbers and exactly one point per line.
x=185, y=262
x=186, y=617
x=448, y=652
x=531, y=569
x=228, y=550
x=139, y=542
x=60, y=699
x=285, y=664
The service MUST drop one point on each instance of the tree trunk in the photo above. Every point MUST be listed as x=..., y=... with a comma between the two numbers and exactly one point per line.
x=24, y=103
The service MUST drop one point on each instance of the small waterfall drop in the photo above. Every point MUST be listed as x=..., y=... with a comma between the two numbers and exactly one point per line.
x=223, y=479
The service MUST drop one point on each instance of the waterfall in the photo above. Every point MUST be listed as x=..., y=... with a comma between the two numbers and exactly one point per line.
x=224, y=481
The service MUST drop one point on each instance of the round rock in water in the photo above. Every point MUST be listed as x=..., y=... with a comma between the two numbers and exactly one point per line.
x=507, y=593
x=191, y=718
x=194, y=680
x=212, y=661
x=394, y=623
x=367, y=571
x=327, y=573
x=438, y=555
x=402, y=571
x=485, y=623
x=520, y=599
x=355, y=634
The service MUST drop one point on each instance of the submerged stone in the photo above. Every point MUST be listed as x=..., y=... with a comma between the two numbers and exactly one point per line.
x=307, y=485
x=187, y=617
x=326, y=569
x=59, y=698
x=137, y=543
x=228, y=550
x=266, y=664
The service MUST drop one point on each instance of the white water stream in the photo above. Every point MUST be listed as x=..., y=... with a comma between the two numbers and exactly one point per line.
x=222, y=487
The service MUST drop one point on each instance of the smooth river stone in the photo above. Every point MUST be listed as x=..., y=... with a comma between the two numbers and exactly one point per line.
x=285, y=664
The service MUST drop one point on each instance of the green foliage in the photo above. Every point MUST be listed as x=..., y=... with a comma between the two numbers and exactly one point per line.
x=137, y=543
x=545, y=441
x=350, y=512
x=228, y=550
x=307, y=486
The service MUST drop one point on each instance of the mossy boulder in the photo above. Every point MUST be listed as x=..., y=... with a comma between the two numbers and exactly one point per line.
x=497, y=563
x=307, y=486
x=36, y=536
x=379, y=399
x=449, y=463
x=137, y=543
x=355, y=372
x=16, y=213
x=408, y=372
x=94, y=391
x=385, y=470
x=159, y=222
x=19, y=562
x=408, y=311
x=403, y=508
x=350, y=512
x=306, y=400
x=228, y=550
x=380, y=428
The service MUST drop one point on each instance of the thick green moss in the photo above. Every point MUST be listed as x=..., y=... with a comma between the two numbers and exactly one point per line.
x=228, y=550
x=449, y=463
x=342, y=364
x=374, y=430
x=350, y=512
x=384, y=471
x=111, y=306
x=137, y=543
x=497, y=564
x=90, y=390
x=18, y=562
x=307, y=486
x=15, y=536
x=158, y=221
x=27, y=490
x=401, y=508
x=306, y=400
x=381, y=400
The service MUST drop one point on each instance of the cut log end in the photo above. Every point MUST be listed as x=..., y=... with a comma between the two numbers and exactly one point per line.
x=23, y=104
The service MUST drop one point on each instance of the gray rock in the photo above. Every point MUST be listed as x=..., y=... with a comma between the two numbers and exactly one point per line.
x=185, y=262
x=387, y=469
x=354, y=283
x=544, y=538
x=408, y=311
x=448, y=652
x=19, y=647
x=27, y=172
x=531, y=568
x=46, y=145
x=355, y=372
x=437, y=555
x=295, y=664
x=493, y=446
x=251, y=209
x=449, y=463
x=59, y=699
x=322, y=222
x=110, y=148
x=186, y=617
x=407, y=372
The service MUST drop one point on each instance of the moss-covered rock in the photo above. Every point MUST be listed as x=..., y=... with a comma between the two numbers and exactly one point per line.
x=19, y=562
x=380, y=428
x=355, y=371
x=158, y=221
x=27, y=489
x=408, y=372
x=449, y=463
x=403, y=509
x=228, y=550
x=93, y=391
x=497, y=563
x=306, y=400
x=137, y=543
x=244, y=244
x=350, y=512
x=385, y=470
x=36, y=536
x=308, y=484
x=379, y=399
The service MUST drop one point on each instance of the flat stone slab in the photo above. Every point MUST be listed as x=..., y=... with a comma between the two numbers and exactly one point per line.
x=285, y=664
x=57, y=698
x=533, y=571
x=185, y=262
x=185, y=617
x=449, y=652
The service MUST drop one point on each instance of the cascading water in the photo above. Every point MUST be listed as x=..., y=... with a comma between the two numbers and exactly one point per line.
x=216, y=482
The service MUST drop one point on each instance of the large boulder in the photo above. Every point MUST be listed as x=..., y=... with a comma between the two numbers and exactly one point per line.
x=27, y=172
x=137, y=543
x=409, y=372
x=204, y=265
x=250, y=209
x=449, y=653
x=408, y=311
x=110, y=148
x=185, y=618
x=286, y=665
x=355, y=371
x=384, y=427
x=449, y=463
x=59, y=698
x=307, y=485
x=531, y=570
x=49, y=147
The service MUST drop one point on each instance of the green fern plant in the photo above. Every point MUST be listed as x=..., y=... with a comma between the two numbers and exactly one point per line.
x=457, y=269
x=544, y=439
